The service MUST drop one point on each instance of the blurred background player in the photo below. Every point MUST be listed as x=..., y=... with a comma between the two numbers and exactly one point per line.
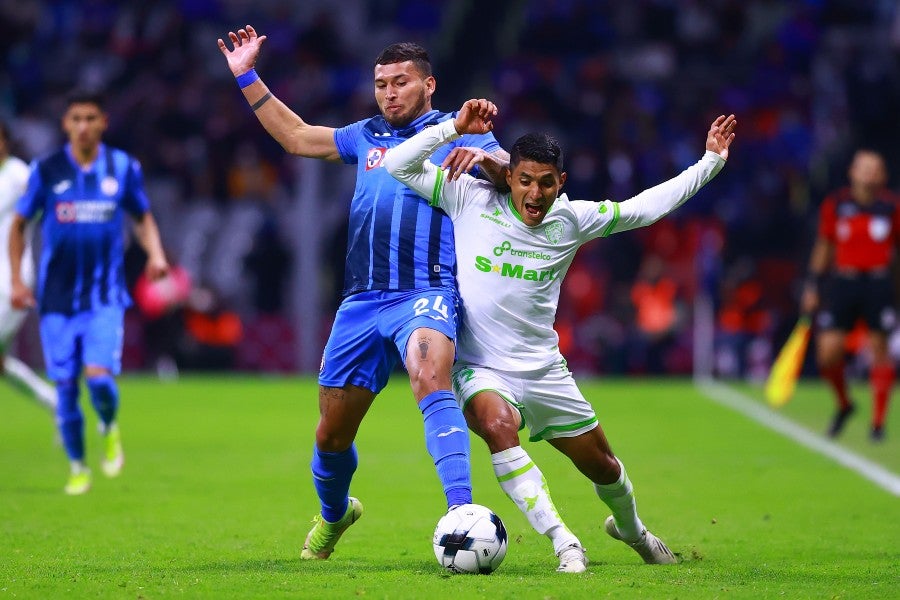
x=400, y=298
x=81, y=193
x=510, y=371
x=850, y=279
x=13, y=179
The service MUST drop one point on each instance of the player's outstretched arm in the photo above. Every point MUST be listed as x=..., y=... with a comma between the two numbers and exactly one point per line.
x=21, y=295
x=284, y=125
x=651, y=205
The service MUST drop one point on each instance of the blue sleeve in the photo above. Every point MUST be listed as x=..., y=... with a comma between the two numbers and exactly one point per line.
x=33, y=199
x=485, y=141
x=346, y=139
x=135, y=200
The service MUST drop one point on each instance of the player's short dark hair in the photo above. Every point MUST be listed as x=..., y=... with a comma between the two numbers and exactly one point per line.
x=539, y=147
x=404, y=51
x=86, y=96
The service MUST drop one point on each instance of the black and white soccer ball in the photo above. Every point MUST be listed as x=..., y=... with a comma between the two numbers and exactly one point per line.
x=470, y=539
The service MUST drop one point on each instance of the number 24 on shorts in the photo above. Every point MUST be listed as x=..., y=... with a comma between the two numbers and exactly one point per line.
x=438, y=305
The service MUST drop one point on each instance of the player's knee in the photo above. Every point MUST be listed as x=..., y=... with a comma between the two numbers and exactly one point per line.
x=333, y=439
x=429, y=378
x=499, y=429
x=92, y=371
x=610, y=465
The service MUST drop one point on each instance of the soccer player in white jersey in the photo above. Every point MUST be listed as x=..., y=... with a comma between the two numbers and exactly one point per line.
x=513, y=251
x=13, y=180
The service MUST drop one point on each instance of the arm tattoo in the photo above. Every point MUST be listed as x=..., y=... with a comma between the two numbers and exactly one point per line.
x=260, y=102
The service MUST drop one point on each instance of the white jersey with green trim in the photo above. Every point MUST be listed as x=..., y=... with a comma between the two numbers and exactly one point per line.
x=13, y=180
x=510, y=273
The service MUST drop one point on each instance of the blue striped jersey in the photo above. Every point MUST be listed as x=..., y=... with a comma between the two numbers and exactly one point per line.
x=396, y=240
x=82, y=221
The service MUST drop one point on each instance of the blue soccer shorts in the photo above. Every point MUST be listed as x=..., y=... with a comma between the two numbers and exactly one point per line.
x=91, y=337
x=371, y=330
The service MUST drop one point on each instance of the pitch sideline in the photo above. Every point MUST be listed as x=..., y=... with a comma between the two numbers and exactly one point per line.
x=735, y=400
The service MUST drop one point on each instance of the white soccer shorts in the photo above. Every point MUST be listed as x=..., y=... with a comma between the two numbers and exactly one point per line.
x=549, y=401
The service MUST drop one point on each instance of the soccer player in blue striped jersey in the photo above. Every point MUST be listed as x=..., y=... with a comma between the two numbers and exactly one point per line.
x=81, y=194
x=400, y=297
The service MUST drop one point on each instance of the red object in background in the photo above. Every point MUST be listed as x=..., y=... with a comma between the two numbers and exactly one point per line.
x=220, y=329
x=655, y=305
x=156, y=298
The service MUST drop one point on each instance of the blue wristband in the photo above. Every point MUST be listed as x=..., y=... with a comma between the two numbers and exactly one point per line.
x=245, y=79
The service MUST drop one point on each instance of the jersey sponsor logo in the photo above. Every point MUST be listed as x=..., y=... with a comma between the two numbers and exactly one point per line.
x=495, y=218
x=374, y=158
x=554, y=232
x=88, y=211
x=65, y=212
x=62, y=186
x=507, y=247
x=514, y=271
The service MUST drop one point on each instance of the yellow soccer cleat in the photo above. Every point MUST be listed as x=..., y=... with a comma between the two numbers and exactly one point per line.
x=113, y=456
x=324, y=535
x=79, y=482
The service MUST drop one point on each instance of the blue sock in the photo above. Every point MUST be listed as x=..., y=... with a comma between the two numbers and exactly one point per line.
x=69, y=419
x=332, y=472
x=447, y=440
x=104, y=397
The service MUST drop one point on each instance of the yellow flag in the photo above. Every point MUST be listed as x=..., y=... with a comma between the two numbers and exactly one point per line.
x=786, y=368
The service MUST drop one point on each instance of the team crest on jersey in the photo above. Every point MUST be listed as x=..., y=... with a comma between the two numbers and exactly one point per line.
x=374, y=158
x=109, y=186
x=554, y=232
x=65, y=212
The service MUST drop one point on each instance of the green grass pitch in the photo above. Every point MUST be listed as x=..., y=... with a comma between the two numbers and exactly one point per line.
x=216, y=498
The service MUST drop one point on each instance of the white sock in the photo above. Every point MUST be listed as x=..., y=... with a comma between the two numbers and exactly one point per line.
x=619, y=497
x=525, y=485
x=77, y=466
x=21, y=374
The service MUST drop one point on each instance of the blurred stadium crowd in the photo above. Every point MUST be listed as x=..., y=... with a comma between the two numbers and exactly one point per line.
x=628, y=88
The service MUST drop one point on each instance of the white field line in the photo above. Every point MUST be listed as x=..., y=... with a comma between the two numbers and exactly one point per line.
x=735, y=400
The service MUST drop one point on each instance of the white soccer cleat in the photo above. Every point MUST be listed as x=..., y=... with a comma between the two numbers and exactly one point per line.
x=651, y=548
x=572, y=559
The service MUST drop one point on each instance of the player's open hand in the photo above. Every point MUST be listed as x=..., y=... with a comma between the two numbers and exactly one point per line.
x=462, y=159
x=475, y=116
x=721, y=134
x=246, y=44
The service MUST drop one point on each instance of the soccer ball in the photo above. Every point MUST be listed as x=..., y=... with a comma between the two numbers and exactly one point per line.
x=470, y=539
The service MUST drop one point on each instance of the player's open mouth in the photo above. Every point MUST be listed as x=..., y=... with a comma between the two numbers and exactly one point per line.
x=533, y=210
